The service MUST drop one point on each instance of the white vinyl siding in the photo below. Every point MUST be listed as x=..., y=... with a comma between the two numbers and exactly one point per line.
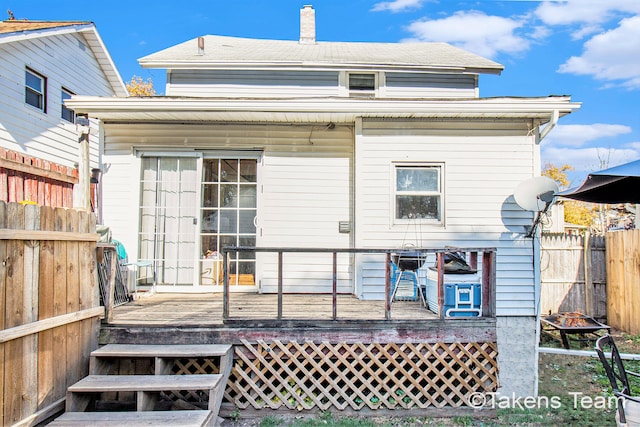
x=252, y=84
x=429, y=85
x=301, y=84
x=65, y=64
x=484, y=162
x=305, y=182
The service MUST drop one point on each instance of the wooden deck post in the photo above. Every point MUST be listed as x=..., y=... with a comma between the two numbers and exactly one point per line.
x=387, y=287
x=488, y=283
x=440, y=266
x=225, y=286
x=279, y=285
x=334, y=295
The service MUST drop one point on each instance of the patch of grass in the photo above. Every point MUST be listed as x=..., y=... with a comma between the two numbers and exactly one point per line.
x=270, y=421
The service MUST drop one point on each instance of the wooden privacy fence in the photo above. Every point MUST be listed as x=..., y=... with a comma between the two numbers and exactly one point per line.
x=50, y=310
x=623, y=280
x=35, y=180
x=573, y=274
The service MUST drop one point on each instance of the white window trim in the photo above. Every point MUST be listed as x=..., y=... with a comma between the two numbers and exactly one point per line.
x=42, y=93
x=362, y=94
x=394, y=192
x=62, y=107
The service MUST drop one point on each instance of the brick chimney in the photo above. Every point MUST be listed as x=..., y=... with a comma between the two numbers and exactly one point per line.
x=307, y=25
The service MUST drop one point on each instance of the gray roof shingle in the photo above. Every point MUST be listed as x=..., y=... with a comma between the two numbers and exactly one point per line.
x=221, y=51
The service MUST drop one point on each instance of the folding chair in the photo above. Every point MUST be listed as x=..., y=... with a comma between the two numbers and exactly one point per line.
x=628, y=405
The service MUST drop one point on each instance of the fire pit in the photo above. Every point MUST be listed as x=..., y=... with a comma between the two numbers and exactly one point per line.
x=572, y=323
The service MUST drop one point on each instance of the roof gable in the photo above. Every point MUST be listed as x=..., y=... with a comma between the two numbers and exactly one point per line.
x=15, y=26
x=20, y=30
x=225, y=52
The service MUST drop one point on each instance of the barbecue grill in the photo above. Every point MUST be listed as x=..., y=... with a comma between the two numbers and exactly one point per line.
x=408, y=262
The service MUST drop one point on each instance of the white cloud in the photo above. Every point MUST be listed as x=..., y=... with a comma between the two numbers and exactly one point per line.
x=587, y=160
x=578, y=135
x=397, y=5
x=611, y=56
x=475, y=31
x=588, y=14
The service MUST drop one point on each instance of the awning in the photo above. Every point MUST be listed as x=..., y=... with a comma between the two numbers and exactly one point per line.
x=619, y=184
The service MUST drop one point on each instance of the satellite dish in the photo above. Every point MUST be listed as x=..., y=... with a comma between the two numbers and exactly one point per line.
x=535, y=194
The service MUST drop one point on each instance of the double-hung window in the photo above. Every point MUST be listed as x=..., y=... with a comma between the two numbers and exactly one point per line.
x=67, y=113
x=418, y=192
x=36, y=90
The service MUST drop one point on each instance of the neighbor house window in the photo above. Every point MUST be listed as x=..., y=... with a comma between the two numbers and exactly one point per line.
x=362, y=84
x=418, y=192
x=67, y=113
x=35, y=90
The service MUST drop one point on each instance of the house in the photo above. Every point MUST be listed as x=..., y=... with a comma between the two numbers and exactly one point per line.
x=310, y=144
x=44, y=63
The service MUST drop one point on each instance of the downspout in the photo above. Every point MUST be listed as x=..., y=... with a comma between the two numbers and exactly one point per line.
x=552, y=123
x=536, y=247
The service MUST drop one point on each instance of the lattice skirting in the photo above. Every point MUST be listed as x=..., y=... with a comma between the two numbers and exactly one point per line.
x=310, y=376
x=306, y=376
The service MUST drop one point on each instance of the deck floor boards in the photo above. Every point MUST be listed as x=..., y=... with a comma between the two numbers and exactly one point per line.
x=170, y=309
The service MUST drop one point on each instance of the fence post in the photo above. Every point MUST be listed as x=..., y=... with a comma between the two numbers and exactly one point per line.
x=588, y=280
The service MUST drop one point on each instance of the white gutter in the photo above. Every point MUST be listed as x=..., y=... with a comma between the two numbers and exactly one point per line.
x=486, y=107
x=552, y=123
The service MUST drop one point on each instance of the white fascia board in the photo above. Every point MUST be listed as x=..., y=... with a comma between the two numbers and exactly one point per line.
x=285, y=110
x=46, y=32
x=103, y=57
x=307, y=66
x=521, y=106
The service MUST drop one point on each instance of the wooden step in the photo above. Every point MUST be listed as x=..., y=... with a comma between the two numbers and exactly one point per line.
x=147, y=388
x=136, y=419
x=102, y=358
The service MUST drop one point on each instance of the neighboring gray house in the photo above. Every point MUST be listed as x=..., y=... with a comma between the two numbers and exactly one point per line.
x=273, y=143
x=44, y=63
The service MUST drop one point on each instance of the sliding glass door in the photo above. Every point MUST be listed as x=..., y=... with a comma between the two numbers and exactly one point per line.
x=190, y=209
x=169, y=217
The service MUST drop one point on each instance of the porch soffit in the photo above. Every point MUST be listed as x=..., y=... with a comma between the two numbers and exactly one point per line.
x=312, y=110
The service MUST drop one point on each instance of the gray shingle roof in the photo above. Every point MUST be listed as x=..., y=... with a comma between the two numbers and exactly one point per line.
x=221, y=51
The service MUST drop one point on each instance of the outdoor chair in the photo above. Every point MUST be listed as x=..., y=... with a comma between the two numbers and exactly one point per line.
x=628, y=405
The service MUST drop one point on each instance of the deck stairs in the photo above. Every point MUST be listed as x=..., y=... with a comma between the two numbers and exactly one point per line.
x=147, y=388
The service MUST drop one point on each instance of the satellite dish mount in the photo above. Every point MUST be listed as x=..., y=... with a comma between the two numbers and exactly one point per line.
x=536, y=195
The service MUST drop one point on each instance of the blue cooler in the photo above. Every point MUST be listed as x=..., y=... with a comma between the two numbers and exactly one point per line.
x=462, y=300
x=465, y=286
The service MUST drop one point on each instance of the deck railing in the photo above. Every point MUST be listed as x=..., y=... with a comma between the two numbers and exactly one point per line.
x=487, y=258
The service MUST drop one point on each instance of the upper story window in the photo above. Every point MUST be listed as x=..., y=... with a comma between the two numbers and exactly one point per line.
x=418, y=192
x=67, y=113
x=36, y=90
x=362, y=84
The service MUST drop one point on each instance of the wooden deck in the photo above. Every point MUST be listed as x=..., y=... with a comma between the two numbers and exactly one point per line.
x=170, y=309
x=306, y=361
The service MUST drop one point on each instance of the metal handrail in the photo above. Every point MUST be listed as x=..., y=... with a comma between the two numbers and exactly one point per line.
x=488, y=279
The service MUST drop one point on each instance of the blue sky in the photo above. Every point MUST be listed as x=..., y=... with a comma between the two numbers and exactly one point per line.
x=589, y=49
